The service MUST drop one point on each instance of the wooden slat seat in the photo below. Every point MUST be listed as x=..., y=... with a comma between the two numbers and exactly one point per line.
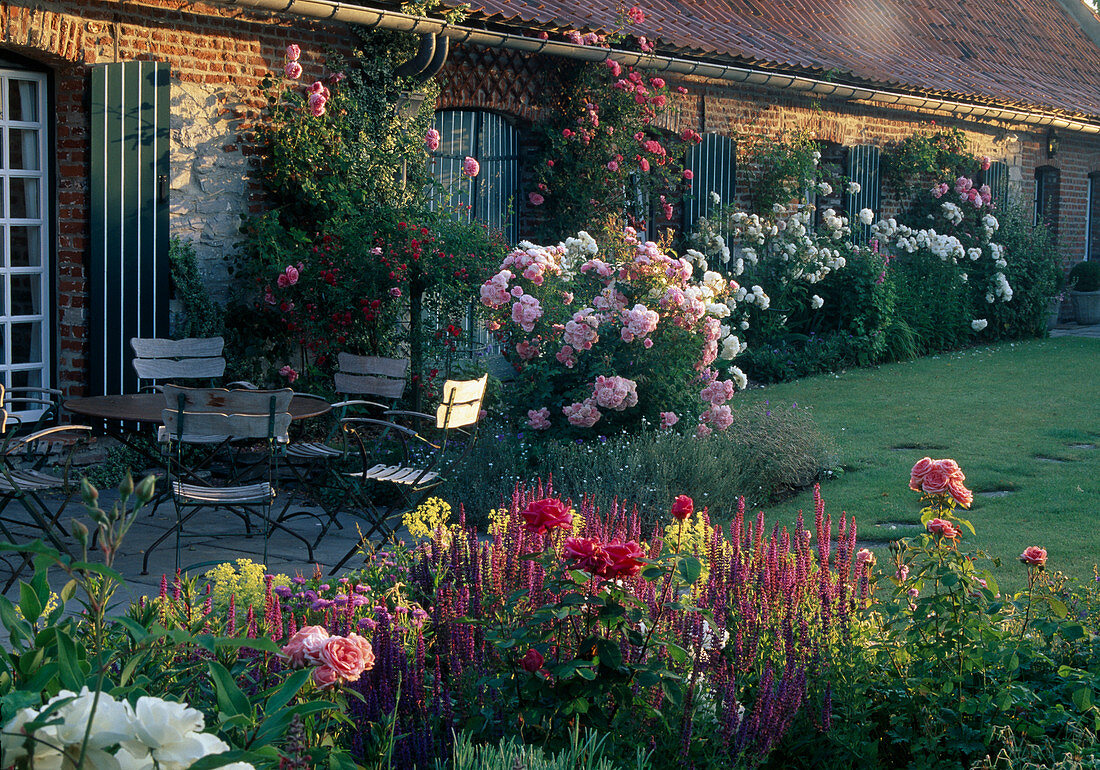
x=261, y=492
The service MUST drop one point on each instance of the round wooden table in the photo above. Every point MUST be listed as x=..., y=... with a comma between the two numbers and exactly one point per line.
x=147, y=407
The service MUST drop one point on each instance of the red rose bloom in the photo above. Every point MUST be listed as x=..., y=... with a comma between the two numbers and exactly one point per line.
x=623, y=560
x=962, y=495
x=585, y=553
x=532, y=661
x=682, y=507
x=543, y=515
x=920, y=470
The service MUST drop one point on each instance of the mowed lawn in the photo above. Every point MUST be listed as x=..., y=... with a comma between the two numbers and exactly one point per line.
x=1022, y=419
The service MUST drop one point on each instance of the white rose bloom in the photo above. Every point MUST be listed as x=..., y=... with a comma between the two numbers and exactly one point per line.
x=160, y=723
x=718, y=310
x=816, y=302
x=194, y=746
x=744, y=325
x=824, y=188
x=866, y=216
x=978, y=324
x=715, y=198
x=854, y=188
x=974, y=254
x=739, y=378
x=693, y=256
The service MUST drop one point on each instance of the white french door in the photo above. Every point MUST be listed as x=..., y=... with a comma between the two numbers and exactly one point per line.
x=24, y=281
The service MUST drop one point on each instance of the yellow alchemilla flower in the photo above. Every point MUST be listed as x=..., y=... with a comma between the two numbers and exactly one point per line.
x=430, y=515
x=245, y=581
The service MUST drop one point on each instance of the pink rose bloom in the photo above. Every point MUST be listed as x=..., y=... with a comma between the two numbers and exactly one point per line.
x=657, y=82
x=317, y=104
x=305, y=645
x=574, y=37
x=612, y=165
x=718, y=417
x=718, y=392
x=347, y=657
x=920, y=470
x=541, y=516
x=960, y=493
x=615, y=392
x=525, y=312
x=293, y=52
x=1034, y=556
x=395, y=292
x=681, y=90
x=290, y=374
x=536, y=199
x=431, y=139
x=565, y=356
x=538, y=419
x=527, y=350
x=643, y=164
x=623, y=560
x=702, y=431
x=269, y=298
x=645, y=45
x=376, y=251
x=635, y=14
x=668, y=419
x=317, y=87
x=647, y=343
x=986, y=163
x=682, y=507
x=689, y=174
x=291, y=274
x=293, y=70
x=584, y=553
x=583, y=414
x=935, y=481
x=949, y=466
x=865, y=556
x=615, y=67
x=943, y=528
x=567, y=298
x=532, y=661
x=324, y=678
x=470, y=167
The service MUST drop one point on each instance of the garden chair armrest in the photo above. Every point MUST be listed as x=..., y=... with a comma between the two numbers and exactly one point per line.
x=358, y=402
x=245, y=384
x=401, y=413
x=351, y=421
x=32, y=389
x=41, y=434
x=298, y=393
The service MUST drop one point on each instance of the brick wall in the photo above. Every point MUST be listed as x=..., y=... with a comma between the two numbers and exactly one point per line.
x=218, y=57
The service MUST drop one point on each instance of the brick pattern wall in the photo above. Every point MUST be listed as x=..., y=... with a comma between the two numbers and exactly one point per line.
x=218, y=57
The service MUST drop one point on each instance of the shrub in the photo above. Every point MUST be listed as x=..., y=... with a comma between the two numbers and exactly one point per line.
x=765, y=454
x=1085, y=276
x=201, y=317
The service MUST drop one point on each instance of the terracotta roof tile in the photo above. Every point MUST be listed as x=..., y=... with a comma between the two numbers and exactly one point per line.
x=1018, y=52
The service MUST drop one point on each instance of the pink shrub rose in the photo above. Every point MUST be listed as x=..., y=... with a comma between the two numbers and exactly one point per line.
x=525, y=312
x=317, y=102
x=293, y=52
x=583, y=414
x=347, y=656
x=536, y=199
x=324, y=678
x=635, y=14
x=943, y=528
x=304, y=646
x=288, y=372
x=538, y=419
x=470, y=167
x=584, y=553
x=623, y=560
x=548, y=513
x=532, y=661
x=1034, y=556
x=431, y=139
x=668, y=419
x=935, y=481
x=293, y=70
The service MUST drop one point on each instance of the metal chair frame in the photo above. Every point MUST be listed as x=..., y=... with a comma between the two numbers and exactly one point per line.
x=456, y=419
x=218, y=419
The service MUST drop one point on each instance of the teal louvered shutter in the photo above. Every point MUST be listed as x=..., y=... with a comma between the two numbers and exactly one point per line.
x=713, y=164
x=128, y=281
x=996, y=176
x=863, y=168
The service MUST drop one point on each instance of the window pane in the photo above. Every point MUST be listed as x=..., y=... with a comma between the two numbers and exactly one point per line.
x=24, y=198
x=26, y=294
x=27, y=378
x=22, y=100
x=23, y=149
x=1094, y=217
x=26, y=246
x=713, y=165
x=26, y=343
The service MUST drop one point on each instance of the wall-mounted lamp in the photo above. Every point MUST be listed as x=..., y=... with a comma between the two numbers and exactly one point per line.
x=1052, y=142
x=409, y=103
x=1012, y=137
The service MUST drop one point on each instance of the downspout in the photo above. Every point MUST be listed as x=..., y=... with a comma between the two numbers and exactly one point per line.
x=330, y=10
x=424, y=56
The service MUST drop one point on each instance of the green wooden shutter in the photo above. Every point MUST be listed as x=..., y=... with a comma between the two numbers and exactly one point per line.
x=996, y=176
x=128, y=281
x=863, y=167
x=713, y=164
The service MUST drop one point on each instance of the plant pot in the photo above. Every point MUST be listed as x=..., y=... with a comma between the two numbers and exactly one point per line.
x=1054, y=312
x=1086, y=307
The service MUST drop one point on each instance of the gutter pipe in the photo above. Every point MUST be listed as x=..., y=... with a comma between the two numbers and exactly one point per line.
x=331, y=10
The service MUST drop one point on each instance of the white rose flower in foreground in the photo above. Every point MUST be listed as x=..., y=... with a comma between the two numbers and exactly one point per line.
x=816, y=302
x=866, y=216
x=978, y=324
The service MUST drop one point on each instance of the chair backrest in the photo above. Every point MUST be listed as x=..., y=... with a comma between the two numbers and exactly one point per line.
x=461, y=404
x=194, y=415
x=194, y=358
x=371, y=376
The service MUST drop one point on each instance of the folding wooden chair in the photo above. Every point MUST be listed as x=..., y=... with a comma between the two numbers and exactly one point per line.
x=316, y=466
x=218, y=419
x=424, y=460
x=157, y=361
x=24, y=455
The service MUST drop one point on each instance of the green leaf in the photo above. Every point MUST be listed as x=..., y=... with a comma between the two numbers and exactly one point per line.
x=1057, y=606
x=29, y=603
x=220, y=760
x=287, y=690
x=1073, y=631
x=609, y=652
x=68, y=663
x=1082, y=698
x=231, y=699
x=690, y=568
x=650, y=573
